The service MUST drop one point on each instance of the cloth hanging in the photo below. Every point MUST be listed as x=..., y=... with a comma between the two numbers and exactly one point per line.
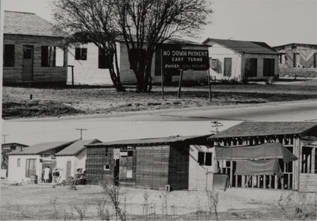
x=258, y=167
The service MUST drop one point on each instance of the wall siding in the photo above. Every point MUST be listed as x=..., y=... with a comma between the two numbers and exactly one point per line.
x=40, y=74
x=308, y=182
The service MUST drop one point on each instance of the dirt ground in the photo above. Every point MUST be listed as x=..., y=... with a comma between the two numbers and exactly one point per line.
x=41, y=201
x=19, y=102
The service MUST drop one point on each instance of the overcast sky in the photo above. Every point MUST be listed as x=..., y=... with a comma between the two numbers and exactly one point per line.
x=273, y=21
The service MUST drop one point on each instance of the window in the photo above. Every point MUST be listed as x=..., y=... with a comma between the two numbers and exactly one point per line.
x=30, y=168
x=205, y=158
x=309, y=159
x=104, y=60
x=251, y=67
x=227, y=67
x=315, y=60
x=48, y=56
x=106, y=167
x=268, y=67
x=80, y=53
x=18, y=162
x=282, y=58
x=8, y=55
x=214, y=64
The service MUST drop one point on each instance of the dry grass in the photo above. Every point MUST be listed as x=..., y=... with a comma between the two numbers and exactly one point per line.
x=69, y=101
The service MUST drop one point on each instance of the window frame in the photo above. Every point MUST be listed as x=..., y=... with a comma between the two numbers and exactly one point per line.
x=203, y=157
x=28, y=171
x=46, y=52
x=248, y=71
x=81, y=54
x=267, y=72
x=227, y=72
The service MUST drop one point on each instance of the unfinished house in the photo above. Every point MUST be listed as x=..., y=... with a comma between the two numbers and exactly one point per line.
x=269, y=155
x=33, y=50
x=238, y=61
x=297, y=60
x=171, y=163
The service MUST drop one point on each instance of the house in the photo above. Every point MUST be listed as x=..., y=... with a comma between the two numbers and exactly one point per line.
x=6, y=149
x=32, y=160
x=73, y=157
x=241, y=60
x=266, y=142
x=90, y=67
x=171, y=163
x=297, y=60
x=33, y=49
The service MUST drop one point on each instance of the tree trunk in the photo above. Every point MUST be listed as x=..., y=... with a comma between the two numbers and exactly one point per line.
x=115, y=72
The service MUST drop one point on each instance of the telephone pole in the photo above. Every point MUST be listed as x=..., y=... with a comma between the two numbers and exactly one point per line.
x=81, y=132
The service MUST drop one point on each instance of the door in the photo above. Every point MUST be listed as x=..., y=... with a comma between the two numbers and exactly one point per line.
x=30, y=168
x=116, y=172
x=28, y=55
x=227, y=67
x=68, y=168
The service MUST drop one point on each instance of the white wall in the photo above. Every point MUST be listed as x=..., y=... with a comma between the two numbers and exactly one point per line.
x=199, y=176
x=219, y=52
x=17, y=174
x=78, y=161
x=86, y=72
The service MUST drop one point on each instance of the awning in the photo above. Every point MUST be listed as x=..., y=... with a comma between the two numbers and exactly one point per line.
x=258, y=167
x=258, y=152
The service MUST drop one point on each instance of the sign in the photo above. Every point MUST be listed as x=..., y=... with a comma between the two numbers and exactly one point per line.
x=174, y=57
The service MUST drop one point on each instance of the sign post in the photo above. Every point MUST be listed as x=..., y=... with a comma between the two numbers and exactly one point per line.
x=180, y=83
x=162, y=74
x=209, y=86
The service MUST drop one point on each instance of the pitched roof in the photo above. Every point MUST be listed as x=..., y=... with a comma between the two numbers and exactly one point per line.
x=249, y=129
x=42, y=147
x=278, y=47
x=26, y=23
x=152, y=141
x=248, y=47
x=14, y=144
x=76, y=147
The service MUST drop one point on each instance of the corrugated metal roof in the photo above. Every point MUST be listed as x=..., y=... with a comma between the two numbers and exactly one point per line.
x=42, y=147
x=248, y=47
x=76, y=147
x=26, y=23
x=278, y=47
x=150, y=141
x=250, y=129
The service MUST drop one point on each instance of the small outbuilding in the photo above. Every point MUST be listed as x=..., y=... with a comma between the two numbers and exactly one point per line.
x=272, y=155
x=73, y=157
x=297, y=60
x=234, y=60
x=33, y=50
x=171, y=163
x=31, y=161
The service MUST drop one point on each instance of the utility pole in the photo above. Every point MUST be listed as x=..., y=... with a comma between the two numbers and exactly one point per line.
x=81, y=132
x=4, y=138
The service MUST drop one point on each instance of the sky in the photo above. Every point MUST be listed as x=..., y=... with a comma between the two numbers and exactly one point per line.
x=272, y=21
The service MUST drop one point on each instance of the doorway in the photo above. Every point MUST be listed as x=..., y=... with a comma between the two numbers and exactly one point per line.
x=28, y=56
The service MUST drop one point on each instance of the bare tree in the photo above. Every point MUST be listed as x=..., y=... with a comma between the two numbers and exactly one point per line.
x=146, y=24
x=92, y=21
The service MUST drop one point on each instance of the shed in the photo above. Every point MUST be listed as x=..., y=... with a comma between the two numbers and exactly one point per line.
x=73, y=157
x=32, y=160
x=156, y=163
x=237, y=60
x=298, y=137
x=34, y=51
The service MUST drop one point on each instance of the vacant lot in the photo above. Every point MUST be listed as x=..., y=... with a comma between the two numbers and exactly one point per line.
x=44, y=202
x=29, y=102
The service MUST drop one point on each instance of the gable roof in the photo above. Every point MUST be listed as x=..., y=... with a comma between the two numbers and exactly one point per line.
x=151, y=141
x=250, y=129
x=42, y=147
x=278, y=47
x=76, y=147
x=26, y=23
x=247, y=47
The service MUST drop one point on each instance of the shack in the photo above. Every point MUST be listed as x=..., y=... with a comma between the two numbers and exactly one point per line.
x=287, y=150
x=171, y=163
x=73, y=158
x=234, y=60
x=30, y=162
x=33, y=50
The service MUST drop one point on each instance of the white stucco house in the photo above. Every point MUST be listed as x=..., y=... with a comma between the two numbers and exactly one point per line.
x=73, y=157
x=31, y=161
x=241, y=60
x=90, y=68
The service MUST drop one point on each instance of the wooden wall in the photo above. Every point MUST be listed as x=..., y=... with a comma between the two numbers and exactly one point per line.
x=308, y=182
x=40, y=74
x=96, y=159
x=178, y=166
x=152, y=166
